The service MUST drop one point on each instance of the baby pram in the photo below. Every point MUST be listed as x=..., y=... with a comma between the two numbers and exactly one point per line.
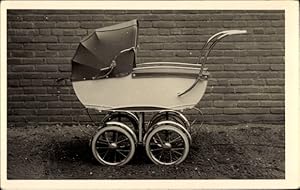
x=105, y=77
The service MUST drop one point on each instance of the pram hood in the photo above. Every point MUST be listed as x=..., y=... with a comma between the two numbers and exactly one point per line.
x=95, y=53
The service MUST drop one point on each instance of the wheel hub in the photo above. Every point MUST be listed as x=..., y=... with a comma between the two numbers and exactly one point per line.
x=113, y=146
x=167, y=145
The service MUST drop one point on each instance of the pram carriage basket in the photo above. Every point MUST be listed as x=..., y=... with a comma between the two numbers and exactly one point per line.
x=105, y=77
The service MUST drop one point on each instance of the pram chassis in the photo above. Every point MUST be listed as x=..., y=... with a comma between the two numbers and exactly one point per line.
x=141, y=133
x=167, y=136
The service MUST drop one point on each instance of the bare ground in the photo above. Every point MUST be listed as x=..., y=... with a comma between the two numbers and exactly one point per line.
x=253, y=151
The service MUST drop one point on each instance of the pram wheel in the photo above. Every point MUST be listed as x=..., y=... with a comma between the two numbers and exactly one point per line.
x=114, y=144
x=167, y=144
x=125, y=117
x=170, y=115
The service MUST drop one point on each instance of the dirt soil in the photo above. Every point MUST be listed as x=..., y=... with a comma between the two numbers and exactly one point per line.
x=218, y=152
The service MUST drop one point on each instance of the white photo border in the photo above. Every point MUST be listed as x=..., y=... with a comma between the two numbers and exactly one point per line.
x=292, y=88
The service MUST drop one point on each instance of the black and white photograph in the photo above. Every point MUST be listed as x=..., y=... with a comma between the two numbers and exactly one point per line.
x=146, y=94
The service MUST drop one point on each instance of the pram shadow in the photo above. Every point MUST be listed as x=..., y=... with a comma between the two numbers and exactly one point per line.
x=79, y=151
x=71, y=150
x=205, y=145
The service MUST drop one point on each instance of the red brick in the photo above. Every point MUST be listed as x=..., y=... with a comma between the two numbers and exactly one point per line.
x=212, y=97
x=258, y=110
x=57, y=90
x=248, y=104
x=59, y=104
x=14, y=17
x=259, y=67
x=224, y=90
x=33, y=17
x=67, y=24
x=216, y=67
x=212, y=111
x=36, y=82
x=205, y=104
x=60, y=118
x=44, y=24
x=258, y=23
x=24, y=68
x=15, y=119
x=35, y=104
x=223, y=75
x=13, y=83
x=278, y=67
x=57, y=18
x=258, y=96
x=25, y=82
x=68, y=97
x=272, y=104
x=233, y=23
x=33, y=60
x=222, y=104
x=249, y=89
x=235, y=82
x=277, y=96
x=91, y=25
x=277, y=23
x=44, y=39
x=235, y=97
x=47, y=68
x=145, y=24
x=16, y=46
x=72, y=39
x=58, y=60
x=272, y=60
x=65, y=67
x=278, y=110
x=18, y=53
x=275, y=81
x=271, y=74
x=35, y=90
x=58, y=46
x=46, y=53
x=66, y=53
x=274, y=89
x=226, y=118
x=24, y=112
x=235, y=67
x=49, y=111
x=19, y=39
x=35, y=46
x=29, y=75
x=21, y=25
x=45, y=32
x=21, y=98
x=77, y=105
x=80, y=17
x=234, y=111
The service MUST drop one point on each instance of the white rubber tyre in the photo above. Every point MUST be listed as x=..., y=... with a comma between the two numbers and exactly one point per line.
x=109, y=149
x=161, y=148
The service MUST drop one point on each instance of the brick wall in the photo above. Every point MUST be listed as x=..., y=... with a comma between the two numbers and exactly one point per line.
x=247, y=71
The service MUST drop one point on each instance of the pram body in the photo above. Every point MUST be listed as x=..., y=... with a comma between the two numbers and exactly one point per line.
x=106, y=77
x=140, y=93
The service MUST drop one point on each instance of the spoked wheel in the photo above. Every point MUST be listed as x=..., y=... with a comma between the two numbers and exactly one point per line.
x=113, y=145
x=170, y=116
x=167, y=145
x=127, y=118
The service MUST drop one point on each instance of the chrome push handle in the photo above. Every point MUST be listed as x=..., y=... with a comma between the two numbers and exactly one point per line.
x=214, y=39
